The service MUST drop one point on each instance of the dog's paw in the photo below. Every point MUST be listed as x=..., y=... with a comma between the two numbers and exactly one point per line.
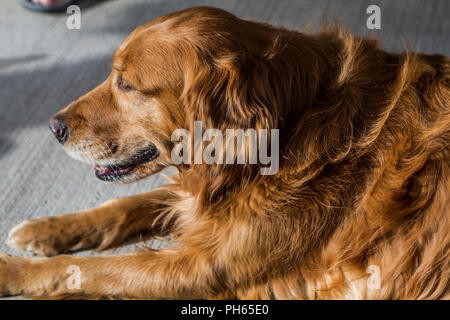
x=44, y=237
x=50, y=236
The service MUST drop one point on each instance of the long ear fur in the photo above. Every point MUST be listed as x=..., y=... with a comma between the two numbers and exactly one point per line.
x=224, y=94
x=263, y=80
x=232, y=91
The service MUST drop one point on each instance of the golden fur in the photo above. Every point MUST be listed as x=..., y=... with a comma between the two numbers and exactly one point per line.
x=363, y=178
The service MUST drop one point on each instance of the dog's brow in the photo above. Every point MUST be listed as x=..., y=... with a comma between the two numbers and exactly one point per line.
x=117, y=62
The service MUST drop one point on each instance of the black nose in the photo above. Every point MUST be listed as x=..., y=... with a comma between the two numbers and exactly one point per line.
x=59, y=129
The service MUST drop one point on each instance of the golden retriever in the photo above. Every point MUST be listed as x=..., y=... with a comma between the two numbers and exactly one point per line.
x=359, y=207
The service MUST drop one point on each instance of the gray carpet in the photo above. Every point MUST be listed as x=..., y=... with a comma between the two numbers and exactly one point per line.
x=44, y=66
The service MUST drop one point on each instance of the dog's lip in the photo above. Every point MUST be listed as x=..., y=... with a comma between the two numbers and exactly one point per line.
x=110, y=173
x=115, y=172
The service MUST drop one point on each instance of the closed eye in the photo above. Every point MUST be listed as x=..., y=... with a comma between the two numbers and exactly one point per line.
x=122, y=84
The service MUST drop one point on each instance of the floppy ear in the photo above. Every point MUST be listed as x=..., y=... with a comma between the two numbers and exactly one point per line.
x=230, y=92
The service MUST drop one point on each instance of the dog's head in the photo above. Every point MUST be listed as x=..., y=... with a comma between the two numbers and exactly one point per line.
x=197, y=64
x=124, y=125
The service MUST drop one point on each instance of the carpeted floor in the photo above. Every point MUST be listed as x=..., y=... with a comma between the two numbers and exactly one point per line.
x=44, y=66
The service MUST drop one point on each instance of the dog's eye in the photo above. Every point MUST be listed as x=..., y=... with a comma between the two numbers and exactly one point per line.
x=123, y=85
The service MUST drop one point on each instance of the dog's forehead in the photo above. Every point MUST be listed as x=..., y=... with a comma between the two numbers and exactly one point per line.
x=137, y=42
x=139, y=52
x=154, y=29
x=166, y=27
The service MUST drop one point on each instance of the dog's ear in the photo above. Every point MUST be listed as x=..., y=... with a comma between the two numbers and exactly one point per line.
x=230, y=92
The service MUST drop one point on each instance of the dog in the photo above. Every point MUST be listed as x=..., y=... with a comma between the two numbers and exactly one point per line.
x=358, y=209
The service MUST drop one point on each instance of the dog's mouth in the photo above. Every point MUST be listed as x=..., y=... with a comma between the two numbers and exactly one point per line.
x=120, y=170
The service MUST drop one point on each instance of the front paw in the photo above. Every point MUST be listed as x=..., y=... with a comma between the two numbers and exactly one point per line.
x=50, y=236
x=37, y=237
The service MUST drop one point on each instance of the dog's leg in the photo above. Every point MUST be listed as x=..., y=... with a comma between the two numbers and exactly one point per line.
x=169, y=273
x=101, y=227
